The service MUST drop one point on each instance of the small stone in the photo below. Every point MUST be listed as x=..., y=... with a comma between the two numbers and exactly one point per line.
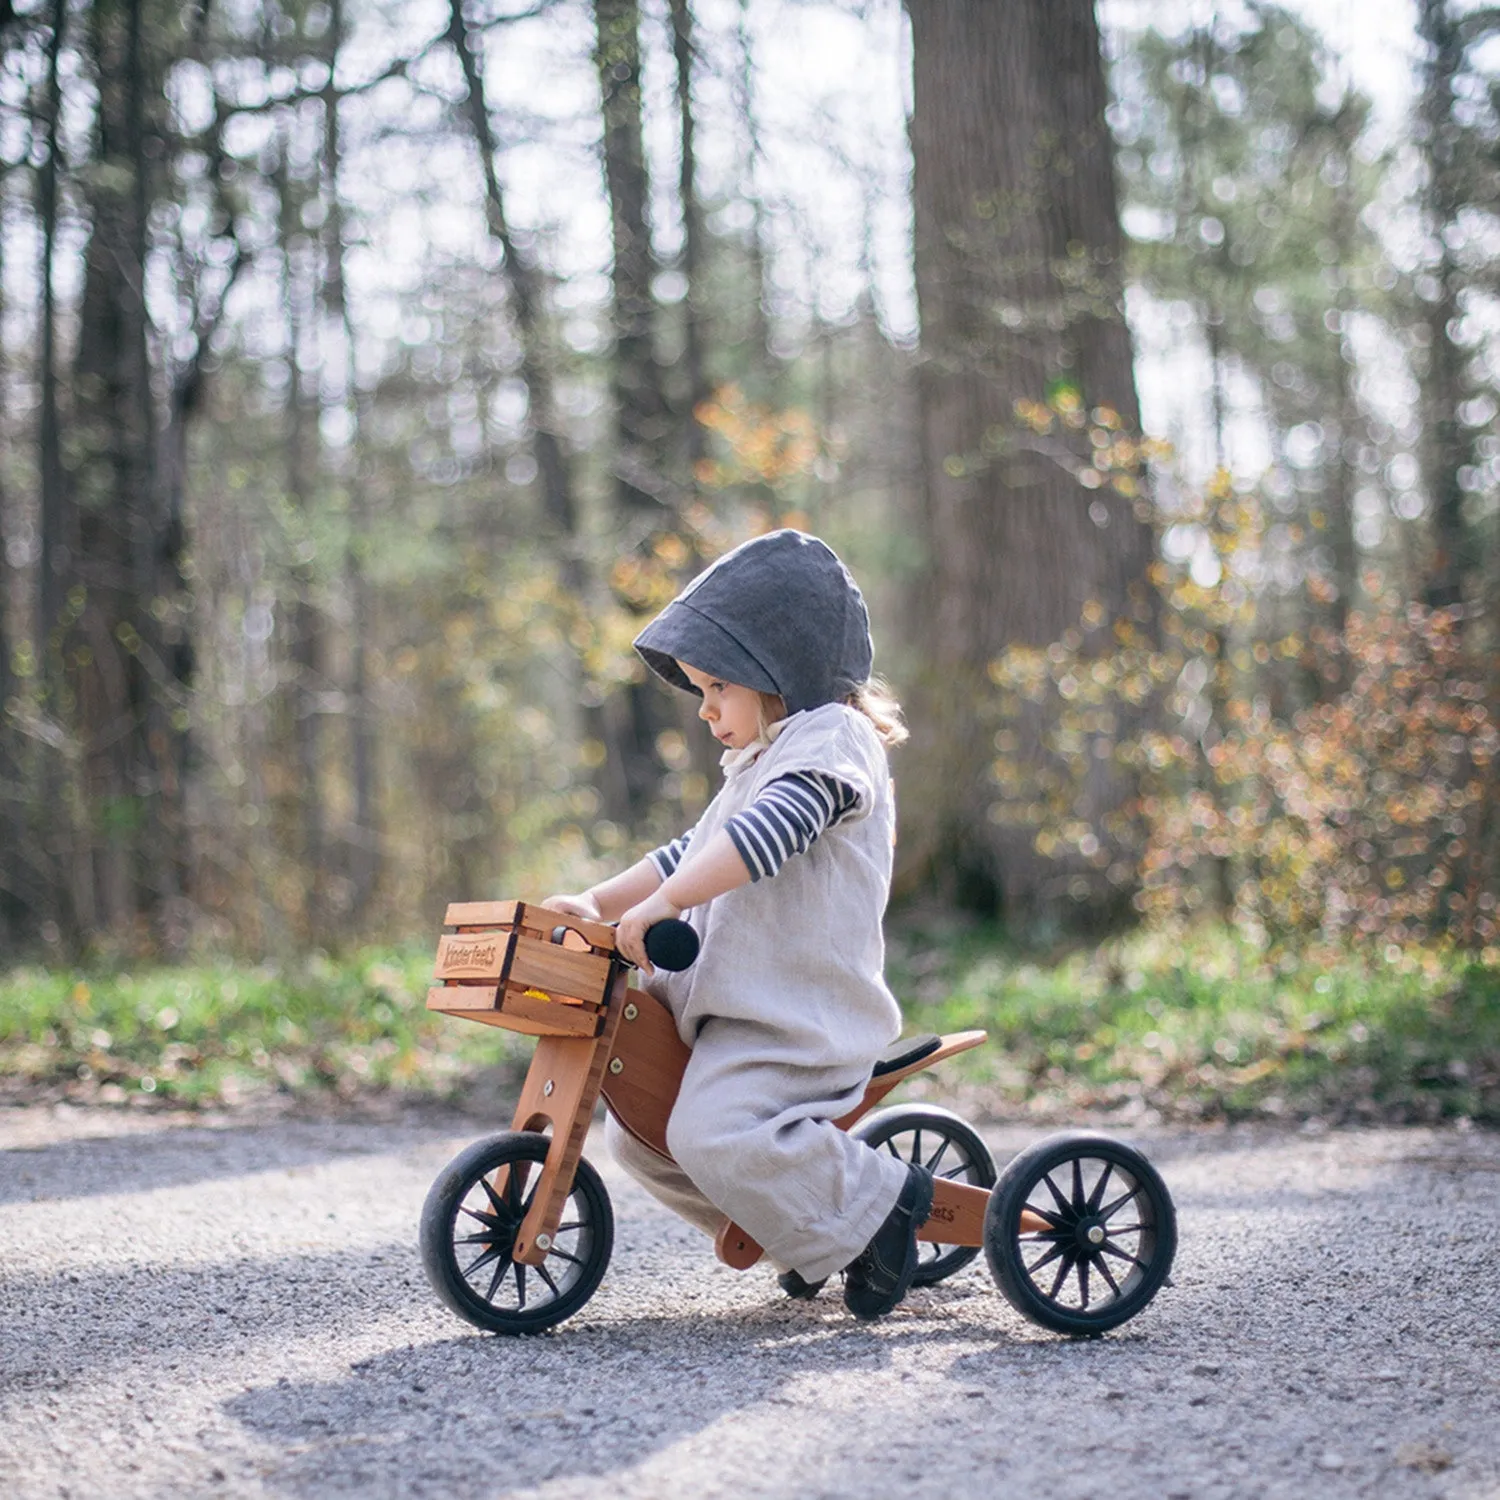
x=1331, y=1461
x=1114, y=1395
x=1198, y=1401
x=1424, y=1457
x=1204, y=1368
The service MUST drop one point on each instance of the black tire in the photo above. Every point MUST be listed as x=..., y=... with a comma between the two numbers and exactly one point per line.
x=1112, y=1234
x=947, y=1147
x=469, y=1226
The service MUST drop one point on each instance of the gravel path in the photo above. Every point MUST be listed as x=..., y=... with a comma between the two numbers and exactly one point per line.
x=236, y=1308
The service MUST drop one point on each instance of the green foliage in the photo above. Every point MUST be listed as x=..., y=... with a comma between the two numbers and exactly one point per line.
x=224, y=1034
x=1202, y=1026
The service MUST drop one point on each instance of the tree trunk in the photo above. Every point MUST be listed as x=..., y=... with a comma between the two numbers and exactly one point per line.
x=305, y=626
x=109, y=655
x=1018, y=259
x=695, y=299
x=641, y=483
x=523, y=285
x=362, y=843
x=1443, y=389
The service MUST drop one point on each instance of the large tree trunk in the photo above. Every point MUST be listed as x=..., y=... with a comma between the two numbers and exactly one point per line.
x=1443, y=388
x=696, y=298
x=1018, y=256
x=109, y=653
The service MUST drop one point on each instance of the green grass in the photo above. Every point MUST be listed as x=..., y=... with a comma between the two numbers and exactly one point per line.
x=224, y=1033
x=1196, y=1027
x=1202, y=1026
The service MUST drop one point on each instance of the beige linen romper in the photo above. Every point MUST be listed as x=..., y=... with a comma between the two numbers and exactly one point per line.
x=786, y=1011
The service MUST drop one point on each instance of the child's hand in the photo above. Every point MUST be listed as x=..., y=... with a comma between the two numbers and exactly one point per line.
x=582, y=905
x=630, y=935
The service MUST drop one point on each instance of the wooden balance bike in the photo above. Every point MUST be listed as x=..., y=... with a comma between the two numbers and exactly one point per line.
x=1079, y=1230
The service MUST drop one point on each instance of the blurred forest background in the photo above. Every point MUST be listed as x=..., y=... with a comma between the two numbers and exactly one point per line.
x=372, y=372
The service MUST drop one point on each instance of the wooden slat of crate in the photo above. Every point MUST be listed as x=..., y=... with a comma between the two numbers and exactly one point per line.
x=473, y=955
x=481, y=913
x=540, y=965
x=543, y=921
x=523, y=1013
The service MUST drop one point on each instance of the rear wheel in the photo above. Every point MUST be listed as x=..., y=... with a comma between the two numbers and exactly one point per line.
x=1099, y=1236
x=938, y=1140
x=469, y=1225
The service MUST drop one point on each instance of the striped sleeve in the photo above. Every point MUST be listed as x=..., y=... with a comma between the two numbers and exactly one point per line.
x=669, y=856
x=787, y=818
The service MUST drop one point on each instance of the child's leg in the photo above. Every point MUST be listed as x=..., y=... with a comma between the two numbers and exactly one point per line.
x=664, y=1180
x=753, y=1135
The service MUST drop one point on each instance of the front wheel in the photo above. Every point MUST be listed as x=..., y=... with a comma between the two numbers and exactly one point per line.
x=1099, y=1239
x=938, y=1140
x=469, y=1225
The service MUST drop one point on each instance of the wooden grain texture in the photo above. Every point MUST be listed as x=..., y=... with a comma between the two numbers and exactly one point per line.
x=480, y=914
x=541, y=965
x=473, y=955
x=522, y=1012
x=957, y=1216
x=652, y=1058
x=574, y=1068
x=958, y=1041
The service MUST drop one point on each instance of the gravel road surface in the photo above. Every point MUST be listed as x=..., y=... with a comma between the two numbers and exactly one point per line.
x=234, y=1307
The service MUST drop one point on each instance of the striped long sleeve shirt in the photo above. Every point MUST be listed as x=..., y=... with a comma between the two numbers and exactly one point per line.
x=786, y=819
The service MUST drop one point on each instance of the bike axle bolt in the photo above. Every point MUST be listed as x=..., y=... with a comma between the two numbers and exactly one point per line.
x=1096, y=1235
x=544, y=1242
x=631, y=1012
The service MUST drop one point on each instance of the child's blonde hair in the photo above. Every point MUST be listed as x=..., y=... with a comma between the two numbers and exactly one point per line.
x=872, y=698
x=875, y=700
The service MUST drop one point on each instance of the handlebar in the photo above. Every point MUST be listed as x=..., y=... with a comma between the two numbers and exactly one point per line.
x=670, y=944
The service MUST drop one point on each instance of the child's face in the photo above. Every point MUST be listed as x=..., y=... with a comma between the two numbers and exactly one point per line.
x=729, y=709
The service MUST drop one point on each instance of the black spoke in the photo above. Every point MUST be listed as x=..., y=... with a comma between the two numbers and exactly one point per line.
x=1048, y=1215
x=1135, y=1260
x=1103, y=1270
x=495, y=1281
x=502, y=1211
x=938, y=1155
x=520, y=1285
x=576, y=1224
x=1080, y=1203
x=916, y=1147
x=546, y=1276
x=1083, y=1280
x=890, y=1146
x=1125, y=1228
x=483, y=1218
x=953, y=1172
x=1062, y=1275
x=475, y=1239
x=1119, y=1203
x=513, y=1189
x=1042, y=1260
x=1063, y=1206
x=563, y=1255
x=483, y=1260
x=1033, y=1235
x=1096, y=1197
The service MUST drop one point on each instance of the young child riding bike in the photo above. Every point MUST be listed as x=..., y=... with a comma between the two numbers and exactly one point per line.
x=785, y=878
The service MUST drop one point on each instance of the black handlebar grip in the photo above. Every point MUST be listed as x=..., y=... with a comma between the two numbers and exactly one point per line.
x=671, y=944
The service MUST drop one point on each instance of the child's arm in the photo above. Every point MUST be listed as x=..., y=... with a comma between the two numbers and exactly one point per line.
x=610, y=898
x=716, y=868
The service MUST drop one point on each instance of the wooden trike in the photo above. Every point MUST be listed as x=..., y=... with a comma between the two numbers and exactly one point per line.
x=1079, y=1230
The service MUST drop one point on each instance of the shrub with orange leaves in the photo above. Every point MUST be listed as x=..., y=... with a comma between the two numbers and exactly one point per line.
x=1370, y=813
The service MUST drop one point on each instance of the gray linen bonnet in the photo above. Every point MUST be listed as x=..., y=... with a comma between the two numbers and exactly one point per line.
x=779, y=614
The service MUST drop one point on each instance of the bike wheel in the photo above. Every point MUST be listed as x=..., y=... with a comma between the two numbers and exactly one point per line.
x=938, y=1140
x=1110, y=1237
x=469, y=1224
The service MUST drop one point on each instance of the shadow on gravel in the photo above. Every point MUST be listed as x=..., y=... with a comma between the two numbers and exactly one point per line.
x=57, y=1330
x=185, y=1155
x=483, y=1415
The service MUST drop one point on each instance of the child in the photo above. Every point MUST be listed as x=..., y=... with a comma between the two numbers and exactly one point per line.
x=785, y=878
